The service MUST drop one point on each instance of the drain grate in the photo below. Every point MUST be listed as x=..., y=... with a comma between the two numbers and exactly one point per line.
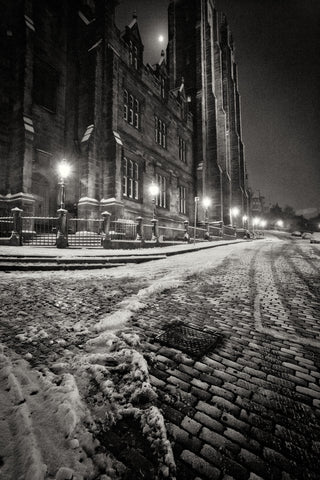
x=189, y=339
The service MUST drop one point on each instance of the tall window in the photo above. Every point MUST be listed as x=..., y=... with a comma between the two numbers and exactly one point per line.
x=162, y=196
x=135, y=57
x=130, y=179
x=182, y=200
x=131, y=104
x=162, y=87
x=125, y=105
x=131, y=109
x=160, y=132
x=182, y=150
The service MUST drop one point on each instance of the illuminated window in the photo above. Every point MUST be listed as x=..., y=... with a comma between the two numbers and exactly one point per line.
x=130, y=179
x=161, y=200
x=182, y=200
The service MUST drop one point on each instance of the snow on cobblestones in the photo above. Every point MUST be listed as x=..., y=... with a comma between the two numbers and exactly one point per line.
x=97, y=375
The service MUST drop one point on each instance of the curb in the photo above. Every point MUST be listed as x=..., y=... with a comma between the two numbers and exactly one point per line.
x=21, y=262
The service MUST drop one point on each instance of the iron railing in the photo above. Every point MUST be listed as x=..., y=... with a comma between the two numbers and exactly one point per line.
x=84, y=232
x=123, y=229
x=40, y=231
x=173, y=234
x=229, y=231
x=6, y=226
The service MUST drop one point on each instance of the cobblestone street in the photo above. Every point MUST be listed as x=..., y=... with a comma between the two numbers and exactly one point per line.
x=248, y=409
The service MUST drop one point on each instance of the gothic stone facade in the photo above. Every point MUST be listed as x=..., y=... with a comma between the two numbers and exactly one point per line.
x=74, y=87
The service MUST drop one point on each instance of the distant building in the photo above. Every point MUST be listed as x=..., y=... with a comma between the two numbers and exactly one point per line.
x=73, y=86
x=257, y=204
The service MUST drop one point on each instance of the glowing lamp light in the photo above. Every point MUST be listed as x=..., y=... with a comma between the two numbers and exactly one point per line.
x=206, y=202
x=154, y=189
x=245, y=218
x=279, y=223
x=255, y=221
x=235, y=211
x=263, y=223
x=161, y=38
x=64, y=169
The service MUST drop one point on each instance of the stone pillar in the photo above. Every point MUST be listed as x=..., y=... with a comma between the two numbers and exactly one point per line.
x=155, y=233
x=16, y=236
x=106, y=240
x=62, y=233
x=139, y=236
x=186, y=236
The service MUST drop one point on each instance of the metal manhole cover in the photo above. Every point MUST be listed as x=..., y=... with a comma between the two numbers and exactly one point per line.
x=191, y=340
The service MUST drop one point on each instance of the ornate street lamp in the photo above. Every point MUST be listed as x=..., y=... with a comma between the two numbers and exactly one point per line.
x=206, y=202
x=64, y=170
x=154, y=191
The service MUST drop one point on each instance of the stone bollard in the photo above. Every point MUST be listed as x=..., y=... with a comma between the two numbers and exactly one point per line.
x=16, y=235
x=186, y=236
x=106, y=240
x=62, y=231
x=139, y=236
x=155, y=233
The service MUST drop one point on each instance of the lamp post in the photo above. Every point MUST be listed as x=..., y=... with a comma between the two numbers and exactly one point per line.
x=263, y=224
x=234, y=212
x=196, y=201
x=255, y=221
x=279, y=223
x=154, y=191
x=206, y=202
x=64, y=170
x=244, y=221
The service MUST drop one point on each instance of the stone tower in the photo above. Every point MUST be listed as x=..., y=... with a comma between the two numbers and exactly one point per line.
x=201, y=51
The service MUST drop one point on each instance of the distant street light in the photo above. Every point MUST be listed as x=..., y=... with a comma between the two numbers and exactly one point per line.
x=255, y=221
x=279, y=223
x=263, y=223
x=206, y=202
x=64, y=170
x=244, y=221
x=234, y=212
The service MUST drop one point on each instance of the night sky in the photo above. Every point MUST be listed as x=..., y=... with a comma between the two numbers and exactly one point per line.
x=277, y=51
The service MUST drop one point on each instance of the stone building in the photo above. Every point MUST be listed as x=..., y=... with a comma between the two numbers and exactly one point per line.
x=72, y=86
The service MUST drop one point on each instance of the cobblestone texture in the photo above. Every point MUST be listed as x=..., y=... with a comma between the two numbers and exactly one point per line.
x=248, y=410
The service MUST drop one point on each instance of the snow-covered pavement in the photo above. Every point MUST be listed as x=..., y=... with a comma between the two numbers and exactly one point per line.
x=69, y=364
x=74, y=366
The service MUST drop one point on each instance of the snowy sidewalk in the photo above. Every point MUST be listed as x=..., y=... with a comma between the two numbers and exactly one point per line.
x=31, y=251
